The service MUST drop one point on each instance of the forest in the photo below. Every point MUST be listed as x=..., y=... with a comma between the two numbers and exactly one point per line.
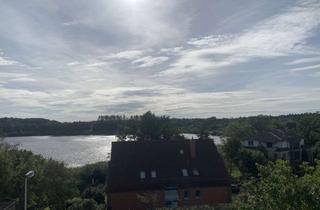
x=117, y=124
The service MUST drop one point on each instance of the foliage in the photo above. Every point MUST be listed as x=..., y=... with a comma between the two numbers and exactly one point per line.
x=248, y=160
x=96, y=193
x=217, y=207
x=50, y=187
x=280, y=188
x=83, y=204
x=91, y=174
x=309, y=128
x=235, y=133
x=53, y=183
x=151, y=127
x=317, y=150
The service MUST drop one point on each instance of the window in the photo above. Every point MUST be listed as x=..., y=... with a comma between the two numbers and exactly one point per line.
x=186, y=195
x=284, y=156
x=171, y=197
x=195, y=172
x=250, y=143
x=142, y=174
x=198, y=194
x=269, y=144
x=184, y=172
x=153, y=174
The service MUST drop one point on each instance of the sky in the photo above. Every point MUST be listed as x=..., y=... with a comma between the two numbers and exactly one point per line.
x=77, y=59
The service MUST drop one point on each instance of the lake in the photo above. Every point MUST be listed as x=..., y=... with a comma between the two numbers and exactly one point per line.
x=74, y=151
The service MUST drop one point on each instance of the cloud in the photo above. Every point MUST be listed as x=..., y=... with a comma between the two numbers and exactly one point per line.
x=24, y=79
x=305, y=68
x=74, y=63
x=5, y=61
x=183, y=58
x=70, y=23
x=16, y=77
x=149, y=61
x=304, y=60
x=211, y=40
x=172, y=51
x=128, y=55
x=281, y=35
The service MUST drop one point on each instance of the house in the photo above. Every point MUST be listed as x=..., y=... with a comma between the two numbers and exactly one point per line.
x=279, y=144
x=149, y=174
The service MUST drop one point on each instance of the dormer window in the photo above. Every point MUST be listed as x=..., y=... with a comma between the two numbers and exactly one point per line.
x=195, y=172
x=153, y=174
x=142, y=174
x=184, y=172
x=181, y=152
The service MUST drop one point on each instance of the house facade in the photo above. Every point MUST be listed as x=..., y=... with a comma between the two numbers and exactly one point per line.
x=279, y=145
x=154, y=174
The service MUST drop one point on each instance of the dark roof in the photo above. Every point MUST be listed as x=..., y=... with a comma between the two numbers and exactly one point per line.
x=128, y=159
x=277, y=135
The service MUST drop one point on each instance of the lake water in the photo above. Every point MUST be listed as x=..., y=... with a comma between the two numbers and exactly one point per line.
x=73, y=150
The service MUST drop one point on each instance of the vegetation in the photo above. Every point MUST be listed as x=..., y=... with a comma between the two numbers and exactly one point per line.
x=151, y=127
x=219, y=207
x=304, y=126
x=280, y=187
x=307, y=124
x=54, y=186
x=265, y=185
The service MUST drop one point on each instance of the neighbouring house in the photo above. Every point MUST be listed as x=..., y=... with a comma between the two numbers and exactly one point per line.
x=279, y=144
x=150, y=174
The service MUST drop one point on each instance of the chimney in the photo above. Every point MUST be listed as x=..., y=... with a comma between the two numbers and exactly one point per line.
x=192, y=144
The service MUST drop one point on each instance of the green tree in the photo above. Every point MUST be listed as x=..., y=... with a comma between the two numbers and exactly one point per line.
x=83, y=204
x=248, y=160
x=234, y=134
x=309, y=128
x=51, y=186
x=280, y=188
x=150, y=127
x=261, y=124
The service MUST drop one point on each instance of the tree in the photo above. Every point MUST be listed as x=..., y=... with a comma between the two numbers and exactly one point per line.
x=248, y=160
x=204, y=134
x=51, y=186
x=317, y=150
x=260, y=124
x=96, y=193
x=280, y=188
x=309, y=128
x=150, y=127
x=83, y=204
x=235, y=133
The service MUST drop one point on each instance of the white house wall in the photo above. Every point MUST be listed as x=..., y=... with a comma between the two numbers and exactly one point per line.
x=281, y=144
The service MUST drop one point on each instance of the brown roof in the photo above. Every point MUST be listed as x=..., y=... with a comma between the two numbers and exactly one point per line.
x=167, y=159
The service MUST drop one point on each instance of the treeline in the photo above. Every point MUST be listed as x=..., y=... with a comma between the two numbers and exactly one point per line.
x=115, y=124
